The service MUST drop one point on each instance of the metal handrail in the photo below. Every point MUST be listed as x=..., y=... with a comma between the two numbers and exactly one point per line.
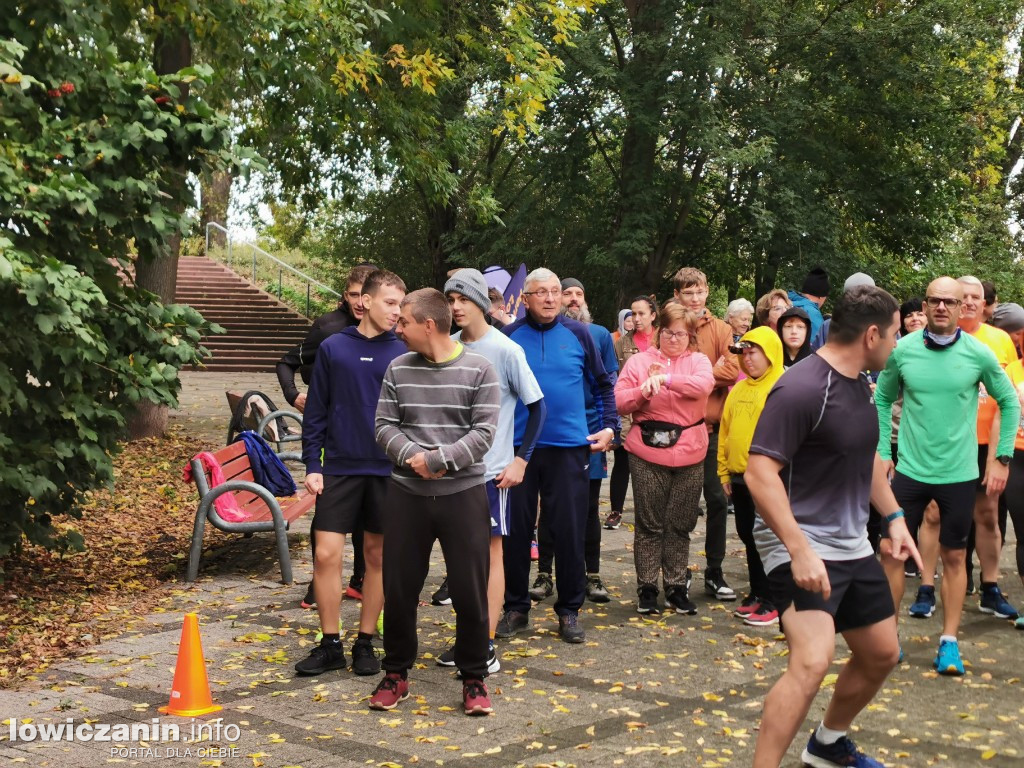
x=256, y=250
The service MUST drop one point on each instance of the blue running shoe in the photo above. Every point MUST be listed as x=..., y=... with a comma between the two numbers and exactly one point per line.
x=843, y=752
x=948, y=661
x=924, y=604
x=993, y=602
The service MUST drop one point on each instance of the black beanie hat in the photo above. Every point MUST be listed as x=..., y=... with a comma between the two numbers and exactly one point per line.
x=816, y=282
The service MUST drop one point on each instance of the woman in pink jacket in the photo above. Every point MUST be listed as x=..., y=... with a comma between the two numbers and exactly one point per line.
x=665, y=390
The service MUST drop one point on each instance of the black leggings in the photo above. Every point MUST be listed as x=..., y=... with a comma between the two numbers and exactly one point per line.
x=1014, y=502
x=743, y=504
x=619, y=481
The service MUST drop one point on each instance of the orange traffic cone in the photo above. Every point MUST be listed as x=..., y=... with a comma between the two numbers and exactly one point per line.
x=190, y=692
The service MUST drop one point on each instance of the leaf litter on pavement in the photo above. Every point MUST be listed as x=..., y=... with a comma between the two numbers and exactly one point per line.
x=682, y=689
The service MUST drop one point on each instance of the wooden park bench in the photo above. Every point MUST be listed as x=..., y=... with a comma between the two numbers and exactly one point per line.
x=263, y=511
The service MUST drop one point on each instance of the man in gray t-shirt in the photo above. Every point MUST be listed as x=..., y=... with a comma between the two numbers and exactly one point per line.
x=812, y=471
x=467, y=295
x=807, y=425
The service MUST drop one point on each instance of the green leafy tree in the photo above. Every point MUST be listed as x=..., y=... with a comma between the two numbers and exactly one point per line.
x=756, y=140
x=86, y=138
x=434, y=97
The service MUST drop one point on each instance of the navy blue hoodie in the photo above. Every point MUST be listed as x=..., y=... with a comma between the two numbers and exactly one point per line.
x=338, y=436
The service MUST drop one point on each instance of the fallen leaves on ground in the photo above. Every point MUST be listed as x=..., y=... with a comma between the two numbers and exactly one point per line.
x=136, y=538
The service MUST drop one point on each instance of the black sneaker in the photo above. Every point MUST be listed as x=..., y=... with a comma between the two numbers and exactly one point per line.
x=364, y=658
x=326, y=656
x=994, y=602
x=613, y=521
x=715, y=586
x=677, y=599
x=569, y=629
x=542, y=587
x=447, y=658
x=596, y=590
x=512, y=623
x=971, y=589
x=493, y=665
x=647, y=601
x=441, y=597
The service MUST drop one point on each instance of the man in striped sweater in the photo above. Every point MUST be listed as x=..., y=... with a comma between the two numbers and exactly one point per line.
x=436, y=418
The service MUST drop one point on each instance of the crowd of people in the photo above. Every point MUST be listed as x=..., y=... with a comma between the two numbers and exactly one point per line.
x=854, y=450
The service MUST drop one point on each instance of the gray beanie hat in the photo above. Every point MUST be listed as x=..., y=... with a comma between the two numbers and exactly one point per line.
x=471, y=284
x=572, y=282
x=857, y=278
x=1008, y=317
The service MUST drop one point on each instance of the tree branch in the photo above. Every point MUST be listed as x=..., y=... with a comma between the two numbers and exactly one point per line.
x=620, y=53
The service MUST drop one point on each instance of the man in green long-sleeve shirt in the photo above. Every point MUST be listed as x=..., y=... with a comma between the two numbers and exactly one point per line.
x=939, y=369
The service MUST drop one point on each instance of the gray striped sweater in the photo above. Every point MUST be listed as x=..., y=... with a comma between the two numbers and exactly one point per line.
x=448, y=410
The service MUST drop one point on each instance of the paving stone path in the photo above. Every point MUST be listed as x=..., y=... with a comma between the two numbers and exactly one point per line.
x=679, y=691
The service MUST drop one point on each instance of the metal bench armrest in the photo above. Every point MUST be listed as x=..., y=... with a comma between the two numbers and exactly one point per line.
x=208, y=510
x=279, y=414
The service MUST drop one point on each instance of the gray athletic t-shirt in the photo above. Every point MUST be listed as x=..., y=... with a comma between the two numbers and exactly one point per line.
x=823, y=426
x=517, y=382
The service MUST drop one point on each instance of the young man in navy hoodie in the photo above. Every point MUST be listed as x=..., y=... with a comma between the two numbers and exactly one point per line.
x=347, y=470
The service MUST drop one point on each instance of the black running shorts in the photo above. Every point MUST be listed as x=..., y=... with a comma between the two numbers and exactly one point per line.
x=860, y=593
x=350, y=501
x=956, y=507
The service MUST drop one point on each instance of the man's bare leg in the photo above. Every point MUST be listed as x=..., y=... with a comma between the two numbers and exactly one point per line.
x=954, y=588
x=373, y=582
x=327, y=567
x=988, y=541
x=928, y=544
x=812, y=640
x=875, y=650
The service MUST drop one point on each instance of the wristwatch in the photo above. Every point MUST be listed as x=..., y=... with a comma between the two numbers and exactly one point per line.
x=1004, y=460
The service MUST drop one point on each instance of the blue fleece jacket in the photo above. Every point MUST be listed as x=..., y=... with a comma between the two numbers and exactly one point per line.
x=338, y=436
x=564, y=358
x=605, y=348
x=812, y=310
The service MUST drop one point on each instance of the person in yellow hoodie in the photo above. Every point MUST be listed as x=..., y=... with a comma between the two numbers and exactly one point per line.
x=761, y=359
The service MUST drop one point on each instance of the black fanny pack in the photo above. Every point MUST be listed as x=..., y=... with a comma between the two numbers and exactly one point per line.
x=662, y=434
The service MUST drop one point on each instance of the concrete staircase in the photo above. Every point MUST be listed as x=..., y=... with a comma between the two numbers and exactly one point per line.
x=259, y=328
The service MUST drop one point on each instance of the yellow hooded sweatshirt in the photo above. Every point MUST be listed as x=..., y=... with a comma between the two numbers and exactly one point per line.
x=744, y=405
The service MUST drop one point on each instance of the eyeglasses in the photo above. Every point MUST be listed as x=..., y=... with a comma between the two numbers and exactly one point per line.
x=543, y=294
x=779, y=308
x=935, y=301
x=694, y=294
x=674, y=335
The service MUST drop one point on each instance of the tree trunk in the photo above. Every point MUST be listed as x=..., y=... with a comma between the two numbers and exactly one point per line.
x=441, y=223
x=158, y=272
x=638, y=219
x=215, y=198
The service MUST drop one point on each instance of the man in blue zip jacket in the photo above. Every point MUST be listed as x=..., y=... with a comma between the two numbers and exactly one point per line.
x=574, y=306
x=562, y=355
x=347, y=470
